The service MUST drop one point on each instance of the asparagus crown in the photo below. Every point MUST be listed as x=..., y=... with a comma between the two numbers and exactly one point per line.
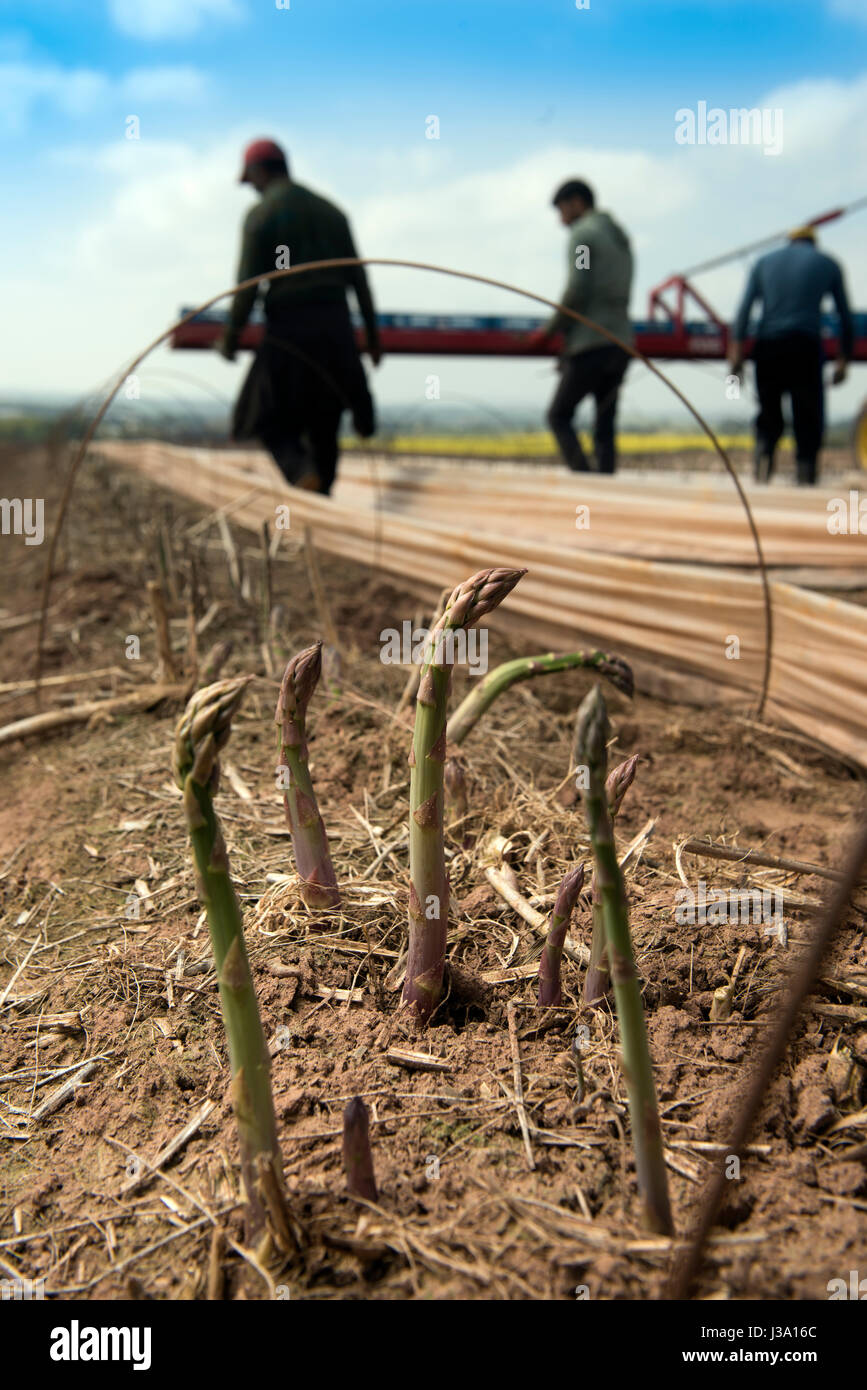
x=619, y=781
x=477, y=596
x=298, y=684
x=567, y=893
x=592, y=731
x=204, y=728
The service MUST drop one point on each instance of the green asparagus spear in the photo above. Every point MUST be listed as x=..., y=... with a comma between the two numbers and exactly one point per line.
x=429, y=890
x=637, y=1068
x=471, y=709
x=201, y=734
x=597, y=980
x=550, y=991
x=309, y=841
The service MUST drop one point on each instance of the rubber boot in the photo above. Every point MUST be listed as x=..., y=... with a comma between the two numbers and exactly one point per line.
x=762, y=464
x=806, y=472
x=309, y=482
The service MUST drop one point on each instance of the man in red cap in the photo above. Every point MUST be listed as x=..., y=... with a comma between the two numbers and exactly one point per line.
x=307, y=370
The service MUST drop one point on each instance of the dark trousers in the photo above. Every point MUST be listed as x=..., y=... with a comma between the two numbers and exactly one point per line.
x=306, y=373
x=597, y=373
x=789, y=366
x=316, y=450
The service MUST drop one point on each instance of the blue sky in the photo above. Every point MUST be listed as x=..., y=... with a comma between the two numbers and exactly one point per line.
x=497, y=69
x=105, y=237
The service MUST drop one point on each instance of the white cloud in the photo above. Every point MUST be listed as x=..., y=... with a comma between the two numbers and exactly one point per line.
x=178, y=84
x=164, y=232
x=855, y=10
x=501, y=224
x=24, y=85
x=76, y=92
x=824, y=117
x=170, y=19
x=170, y=229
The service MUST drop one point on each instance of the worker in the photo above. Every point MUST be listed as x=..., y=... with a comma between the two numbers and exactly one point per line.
x=308, y=369
x=598, y=286
x=791, y=284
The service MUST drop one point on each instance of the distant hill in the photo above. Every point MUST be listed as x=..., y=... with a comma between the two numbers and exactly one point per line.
x=204, y=421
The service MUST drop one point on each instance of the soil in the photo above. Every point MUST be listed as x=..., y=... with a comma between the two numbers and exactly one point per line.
x=105, y=956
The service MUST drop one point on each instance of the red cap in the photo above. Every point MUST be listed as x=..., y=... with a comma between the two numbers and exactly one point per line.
x=259, y=151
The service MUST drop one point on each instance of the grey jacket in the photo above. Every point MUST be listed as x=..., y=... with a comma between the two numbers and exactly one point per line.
x=600, y=279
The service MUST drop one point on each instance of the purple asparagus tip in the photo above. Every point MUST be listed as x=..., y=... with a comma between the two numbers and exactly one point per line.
x=298, y=684
x=618, y=782
x=357, y=1157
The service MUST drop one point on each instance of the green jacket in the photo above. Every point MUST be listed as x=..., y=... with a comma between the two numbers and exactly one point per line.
x=600, y=279
x=290, y=215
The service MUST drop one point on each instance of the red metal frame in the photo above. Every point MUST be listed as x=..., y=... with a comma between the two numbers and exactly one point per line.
x=677, y=316
x=667, y=333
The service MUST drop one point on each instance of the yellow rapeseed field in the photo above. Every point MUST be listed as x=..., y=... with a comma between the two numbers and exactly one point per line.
x=539, y=444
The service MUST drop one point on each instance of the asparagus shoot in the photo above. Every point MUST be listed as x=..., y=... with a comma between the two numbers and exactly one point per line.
x=455, y=779
x=597, y=981
x=202, y=732
x=471, y=709
x=309, y=841
x=429, y=890
x=593, y=735
x=357, y=1157
x=550, y=991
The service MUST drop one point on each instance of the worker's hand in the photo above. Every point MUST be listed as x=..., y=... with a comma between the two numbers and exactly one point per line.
x=736, y=364
x=841, y=369
x=537, y=339
x=226, y=347
x=374, y=352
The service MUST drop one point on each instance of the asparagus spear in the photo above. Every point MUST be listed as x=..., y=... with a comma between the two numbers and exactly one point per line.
x=637, y=1069
x=357, y=1157
x=618, y=782
x=455, y=779
x=309, y=841
x=597, y=980
x=215, y=661
x=429, y=891
x=549, y=966
x=202, y=732
x=471, y=709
